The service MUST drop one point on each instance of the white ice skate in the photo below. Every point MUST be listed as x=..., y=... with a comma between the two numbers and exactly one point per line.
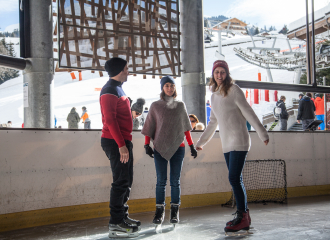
x=123, y=230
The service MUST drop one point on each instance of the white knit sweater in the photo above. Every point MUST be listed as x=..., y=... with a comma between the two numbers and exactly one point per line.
x=231, y=113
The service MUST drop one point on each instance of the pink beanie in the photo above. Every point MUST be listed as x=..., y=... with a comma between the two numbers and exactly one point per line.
x=220, y=63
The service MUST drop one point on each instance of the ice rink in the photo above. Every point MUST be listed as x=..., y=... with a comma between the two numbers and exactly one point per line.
x=301, y=218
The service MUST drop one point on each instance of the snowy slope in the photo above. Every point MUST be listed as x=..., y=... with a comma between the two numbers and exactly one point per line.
x=68, y=93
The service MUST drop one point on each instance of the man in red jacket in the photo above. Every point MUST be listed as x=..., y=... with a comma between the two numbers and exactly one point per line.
x=116, y=141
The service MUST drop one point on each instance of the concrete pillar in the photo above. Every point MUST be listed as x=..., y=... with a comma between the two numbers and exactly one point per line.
x=39, y=73
x=192, y=57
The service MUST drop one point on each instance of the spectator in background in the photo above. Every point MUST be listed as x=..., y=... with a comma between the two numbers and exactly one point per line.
x=284, y=116
x=9, y=124
x=144, y=115
x=319, y=109
x=301, y=96
x=306, y=111
x=193, y=121
x=85, y=118
x=73, y=119
x=208, y=111
x=137, y=109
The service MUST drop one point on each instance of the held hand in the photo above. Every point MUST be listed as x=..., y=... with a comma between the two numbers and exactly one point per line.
x=199, y=148
x=266, y=142
x=193, y=150
x=124, y=154
x=149, y=150
x=298, y=121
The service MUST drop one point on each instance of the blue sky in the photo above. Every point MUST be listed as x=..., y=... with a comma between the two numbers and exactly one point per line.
x=261, y=12
x=256, y=12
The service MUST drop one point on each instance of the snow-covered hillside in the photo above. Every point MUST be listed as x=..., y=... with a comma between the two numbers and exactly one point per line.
x=68, y=93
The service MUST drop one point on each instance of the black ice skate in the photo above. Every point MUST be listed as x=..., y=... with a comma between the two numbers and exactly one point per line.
x=241, y=222
x=133, y=222
x=123, y=230
x=174, y=214
x=159, y=216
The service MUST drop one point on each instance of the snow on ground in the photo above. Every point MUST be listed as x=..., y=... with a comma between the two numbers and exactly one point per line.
x=68, y=93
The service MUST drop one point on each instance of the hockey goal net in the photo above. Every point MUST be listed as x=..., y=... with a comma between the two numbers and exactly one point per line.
x=264, y=181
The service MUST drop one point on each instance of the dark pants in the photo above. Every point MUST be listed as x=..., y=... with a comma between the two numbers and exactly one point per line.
x=175, y=174
x=122, y=174
x=235, y=161
x=284, y=124
x=306, y=122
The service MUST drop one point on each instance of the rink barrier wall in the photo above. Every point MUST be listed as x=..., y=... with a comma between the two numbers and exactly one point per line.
x=50, y=176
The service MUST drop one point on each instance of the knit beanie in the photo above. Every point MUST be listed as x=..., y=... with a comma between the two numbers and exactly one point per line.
x=114, y=66
x=165, y=80
x=220, y=63
x=138, y=106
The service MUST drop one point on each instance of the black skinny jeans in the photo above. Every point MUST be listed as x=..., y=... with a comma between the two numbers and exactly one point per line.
x=122, y=174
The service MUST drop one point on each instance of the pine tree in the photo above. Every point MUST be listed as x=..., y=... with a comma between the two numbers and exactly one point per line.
x=256, y=31
x=7, y=73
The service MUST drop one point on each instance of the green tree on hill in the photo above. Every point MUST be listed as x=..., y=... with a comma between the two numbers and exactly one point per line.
x=7, y=73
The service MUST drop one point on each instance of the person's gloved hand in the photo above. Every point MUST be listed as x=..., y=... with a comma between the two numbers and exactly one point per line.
x=149, y=150
x=193, y=150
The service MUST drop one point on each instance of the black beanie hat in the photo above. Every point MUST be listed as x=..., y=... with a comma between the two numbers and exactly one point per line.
x=114, y=66
x=165, y=80
x=138, y=106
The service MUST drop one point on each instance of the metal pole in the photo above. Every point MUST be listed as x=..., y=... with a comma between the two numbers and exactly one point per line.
x=192, y=55
x=219, y=42
x=313, y=47
x=325, y=105
x=308, y=47
x=38, y=76
x=269, y=73
x=12, y=62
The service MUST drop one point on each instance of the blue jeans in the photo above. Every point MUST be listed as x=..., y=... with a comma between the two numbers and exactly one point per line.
x=235, y=161
x=175, y=174
x=321, y=117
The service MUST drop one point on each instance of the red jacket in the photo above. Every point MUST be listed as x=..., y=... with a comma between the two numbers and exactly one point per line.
x=319, y=106
x=116, y=113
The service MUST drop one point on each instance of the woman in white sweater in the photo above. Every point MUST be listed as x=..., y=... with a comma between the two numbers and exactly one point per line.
x=230, y=111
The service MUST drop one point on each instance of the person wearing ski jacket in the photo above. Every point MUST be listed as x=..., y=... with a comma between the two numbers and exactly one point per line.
x=73, y=119
x=306, y=111
x=85, y=118
x=319, y=109
x=137, y=109
x=284, y=116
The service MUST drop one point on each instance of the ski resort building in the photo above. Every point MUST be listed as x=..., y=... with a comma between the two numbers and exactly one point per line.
x=234, y=24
